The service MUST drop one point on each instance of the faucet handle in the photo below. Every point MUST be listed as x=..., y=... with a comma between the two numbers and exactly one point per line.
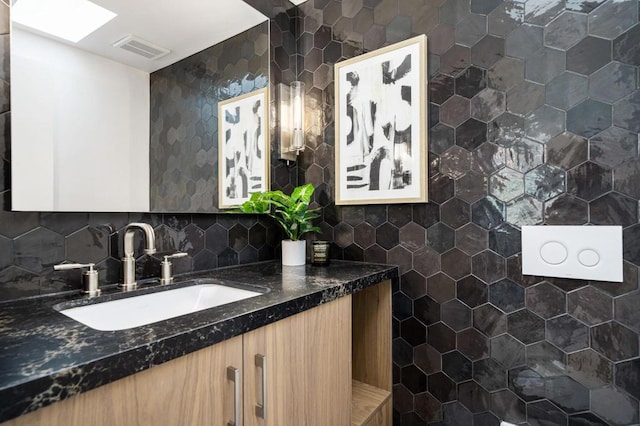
x=167, y=274
x=175, y=256
x=89, y=278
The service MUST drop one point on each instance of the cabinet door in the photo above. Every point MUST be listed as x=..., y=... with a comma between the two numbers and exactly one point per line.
x=307, y=367
x=190, y=390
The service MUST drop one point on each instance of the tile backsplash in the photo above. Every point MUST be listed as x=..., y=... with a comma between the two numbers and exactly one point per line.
x=534, y=115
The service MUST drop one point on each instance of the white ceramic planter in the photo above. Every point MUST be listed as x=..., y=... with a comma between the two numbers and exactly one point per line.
x=294, y=252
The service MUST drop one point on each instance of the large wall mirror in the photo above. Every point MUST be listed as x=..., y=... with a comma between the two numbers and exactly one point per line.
x=125, y=118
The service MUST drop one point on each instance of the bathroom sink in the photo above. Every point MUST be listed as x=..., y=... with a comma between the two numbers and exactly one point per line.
x=148, y=308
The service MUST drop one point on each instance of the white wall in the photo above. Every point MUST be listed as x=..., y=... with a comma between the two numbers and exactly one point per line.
x=80, y=129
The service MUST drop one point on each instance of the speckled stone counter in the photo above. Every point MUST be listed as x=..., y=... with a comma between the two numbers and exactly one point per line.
x=46, y=356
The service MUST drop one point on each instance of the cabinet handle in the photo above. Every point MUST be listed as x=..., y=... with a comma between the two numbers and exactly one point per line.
x=233, y=374
x=261, y=409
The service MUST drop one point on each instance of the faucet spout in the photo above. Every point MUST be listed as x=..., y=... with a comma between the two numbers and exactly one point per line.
x=129, y=261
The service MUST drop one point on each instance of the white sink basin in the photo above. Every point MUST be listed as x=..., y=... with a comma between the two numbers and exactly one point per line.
x=145, y=309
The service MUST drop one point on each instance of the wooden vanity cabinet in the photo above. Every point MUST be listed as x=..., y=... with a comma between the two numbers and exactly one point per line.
x=327, y=366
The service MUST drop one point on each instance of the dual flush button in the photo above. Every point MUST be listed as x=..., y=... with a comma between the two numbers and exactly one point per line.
x=585, y=252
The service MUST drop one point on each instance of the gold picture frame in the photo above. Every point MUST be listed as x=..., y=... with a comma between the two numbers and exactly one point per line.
x=381, y=125
x=243, y=147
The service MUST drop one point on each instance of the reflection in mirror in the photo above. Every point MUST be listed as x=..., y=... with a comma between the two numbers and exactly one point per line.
x=86, y=128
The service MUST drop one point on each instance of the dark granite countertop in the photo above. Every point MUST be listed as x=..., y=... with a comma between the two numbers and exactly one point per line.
x=46, y=356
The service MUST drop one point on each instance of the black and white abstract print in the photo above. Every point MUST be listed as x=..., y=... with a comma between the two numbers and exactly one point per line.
x=379, y=134
x=243, y=150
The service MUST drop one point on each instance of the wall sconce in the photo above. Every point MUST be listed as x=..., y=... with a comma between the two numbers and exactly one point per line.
x=291, y=106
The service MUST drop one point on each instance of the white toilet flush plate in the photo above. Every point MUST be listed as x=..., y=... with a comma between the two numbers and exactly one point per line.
x=584, y=252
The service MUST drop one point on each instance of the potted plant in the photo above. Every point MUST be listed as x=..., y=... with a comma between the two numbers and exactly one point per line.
x=293, y=214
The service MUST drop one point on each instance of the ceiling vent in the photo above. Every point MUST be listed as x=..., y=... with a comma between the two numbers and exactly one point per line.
x=141, y=47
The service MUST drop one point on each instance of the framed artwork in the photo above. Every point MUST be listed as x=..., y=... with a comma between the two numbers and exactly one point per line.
x=381, y=125
x=243, y=147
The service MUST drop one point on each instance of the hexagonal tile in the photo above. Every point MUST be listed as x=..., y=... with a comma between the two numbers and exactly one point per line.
x=490, y=374
x=613, y=146
x=625, y=47
x=590, y=306
x=455, y=213
x=506, y=17
x=387, y=236
x=441, y=337
x=612, y=82
x=471, y=134
x=545, y=300
x=38, y=250
x=614, y=341
x=442, y=387
x=456, y=315
x=626, y=310
x=471, y=187
x=455, y=60
x=87, y=245
x=427, y=407
x=455, y=162
x=473, y=344
x=508, y=351
x=470, y=82
x=506, y=184
x=589, y=181
x=567, y=150
x=525, y=98
x=567, y=333
x=544, y=182
x=590, y=368
x=413, y=331
x=506, y=295
x=488, y=266
x=625, y=174
x=566, y=30
x=471, y=29
x=625, y=112
x=488, y=51
x=526, y=383
x=505, y=74
x=544, y=123
x=472, y=291
x=546, y=360
x=614, y=406
x=566, y=90
x=524, y=210
x=505, y=239
x=456, y=264
x=524, y=40
x=474, y=397
x=566, y=209
x=613, y=18
x=426, y=261
x=440, y=237
x=627, y=377
x=566, y=393
x=489, y=320
x=526, y=326
x=589, y=55
x=506, y=129
x=456, y=366
x=544, y=65
x=613, y=209
x=524, y=155
x=427, y=358
x=413, y=379
x=487, y=104
x=589, y=118
x=488, y=213
x=454, y=111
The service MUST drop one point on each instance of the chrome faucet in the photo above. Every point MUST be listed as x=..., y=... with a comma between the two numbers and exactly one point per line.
x=128, y=261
